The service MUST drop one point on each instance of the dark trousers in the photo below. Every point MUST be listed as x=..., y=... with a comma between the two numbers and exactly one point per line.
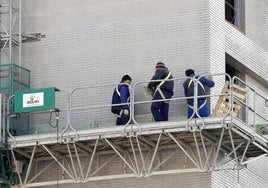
x=122, y=120
x=160, y=109
x=203, y=112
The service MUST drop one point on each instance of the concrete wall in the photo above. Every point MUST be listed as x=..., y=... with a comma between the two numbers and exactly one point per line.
x=217, y=46
x=257, y=22
x=94, y=43
x=252, y=58
x=112, y=172
x=260, y=102
x=253, y=175
x=188, y=180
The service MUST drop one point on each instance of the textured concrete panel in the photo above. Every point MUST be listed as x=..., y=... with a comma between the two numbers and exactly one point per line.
x=96, y=42
x=246, y=52
x=257, y=22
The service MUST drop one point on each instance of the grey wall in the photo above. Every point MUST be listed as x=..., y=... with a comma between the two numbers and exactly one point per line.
x=186, y=180
x=253, y=175
x=257, y=22
x=94, y=43
x=91, y=43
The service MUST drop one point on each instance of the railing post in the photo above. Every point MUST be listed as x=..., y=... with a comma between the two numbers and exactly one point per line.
x=254, y=112
x=1, y=129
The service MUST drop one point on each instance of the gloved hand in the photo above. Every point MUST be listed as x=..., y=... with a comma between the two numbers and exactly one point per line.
x=149, y=91
x=124, y=112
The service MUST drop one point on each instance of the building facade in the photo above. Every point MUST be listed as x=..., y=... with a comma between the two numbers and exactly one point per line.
x=92, y=44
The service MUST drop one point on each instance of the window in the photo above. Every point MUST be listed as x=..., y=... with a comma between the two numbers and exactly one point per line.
x=229, y=10
x=234, y=12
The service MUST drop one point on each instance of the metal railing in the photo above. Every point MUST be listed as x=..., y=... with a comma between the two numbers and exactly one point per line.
x=13, y=78
x=81, y=107
x=179, y=99
x=88, y=110
x=254, y=112
x=3, y=110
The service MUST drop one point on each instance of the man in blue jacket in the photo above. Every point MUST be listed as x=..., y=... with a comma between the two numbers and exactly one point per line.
x=203, y=85
x=162, y=90
x=121, y=95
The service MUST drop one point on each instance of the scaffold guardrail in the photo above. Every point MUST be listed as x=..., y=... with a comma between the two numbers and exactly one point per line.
x=86, y=111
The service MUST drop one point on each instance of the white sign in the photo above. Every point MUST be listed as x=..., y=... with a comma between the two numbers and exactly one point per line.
x=33, y=99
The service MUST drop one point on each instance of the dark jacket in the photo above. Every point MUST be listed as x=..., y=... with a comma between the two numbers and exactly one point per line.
x=203, y=85
x=120, y=95
x=162, y=73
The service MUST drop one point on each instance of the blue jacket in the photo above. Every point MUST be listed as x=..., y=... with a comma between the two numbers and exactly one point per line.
x=203, y=86
x=120, y=95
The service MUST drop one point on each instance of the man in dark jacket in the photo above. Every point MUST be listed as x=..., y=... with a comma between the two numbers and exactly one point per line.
x=163, y=90
x=121, y=96
x=203, y=84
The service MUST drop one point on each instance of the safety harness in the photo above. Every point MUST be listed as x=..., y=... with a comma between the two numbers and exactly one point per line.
x=161, y=83
x=117, y=91
x=194, y=79
x=119, y=94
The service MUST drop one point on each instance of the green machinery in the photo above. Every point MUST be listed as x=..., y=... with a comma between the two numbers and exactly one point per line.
x=12, y=78
x=27, y=101
x=18, y=98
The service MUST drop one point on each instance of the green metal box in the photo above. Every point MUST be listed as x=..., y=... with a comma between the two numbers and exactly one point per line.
x=34, y=100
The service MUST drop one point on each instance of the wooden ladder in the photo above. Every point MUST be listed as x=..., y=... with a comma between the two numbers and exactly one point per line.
x=223, y=104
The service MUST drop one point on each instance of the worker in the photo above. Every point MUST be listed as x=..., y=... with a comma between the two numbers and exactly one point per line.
x=203, y=85
x=121, y=95
x=161, y=90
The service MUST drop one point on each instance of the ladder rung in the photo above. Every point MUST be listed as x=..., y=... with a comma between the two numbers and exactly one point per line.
x=223, y=104
x=240, y=96
x=224, y=109
x=235, y=113
x=237, y=105
x=240, y=88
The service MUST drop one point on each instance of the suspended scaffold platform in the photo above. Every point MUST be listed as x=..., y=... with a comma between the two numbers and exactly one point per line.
x=225, y=140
